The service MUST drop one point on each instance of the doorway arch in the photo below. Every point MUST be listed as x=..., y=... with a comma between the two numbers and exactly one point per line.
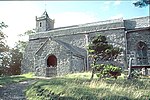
x=51, y=61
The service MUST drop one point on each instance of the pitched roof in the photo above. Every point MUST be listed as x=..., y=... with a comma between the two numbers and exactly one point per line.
x=45, y=14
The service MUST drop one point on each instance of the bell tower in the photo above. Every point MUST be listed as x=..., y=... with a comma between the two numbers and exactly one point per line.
x=44, y=23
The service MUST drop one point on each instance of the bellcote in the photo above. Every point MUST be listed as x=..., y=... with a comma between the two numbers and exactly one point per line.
x=44, y=23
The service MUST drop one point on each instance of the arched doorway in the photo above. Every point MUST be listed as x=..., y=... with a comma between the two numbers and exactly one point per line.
x=51, y=69
x=51, y=61
x=142, y=58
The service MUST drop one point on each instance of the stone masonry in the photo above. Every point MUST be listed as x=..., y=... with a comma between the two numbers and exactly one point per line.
x=57, y=51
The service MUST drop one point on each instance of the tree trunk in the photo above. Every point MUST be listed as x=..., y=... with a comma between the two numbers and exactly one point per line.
x=93, y=71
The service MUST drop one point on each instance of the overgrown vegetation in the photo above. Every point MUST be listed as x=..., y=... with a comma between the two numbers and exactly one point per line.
x=78, y=87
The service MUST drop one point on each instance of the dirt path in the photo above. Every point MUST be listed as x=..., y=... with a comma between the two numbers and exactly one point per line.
x=14, y=91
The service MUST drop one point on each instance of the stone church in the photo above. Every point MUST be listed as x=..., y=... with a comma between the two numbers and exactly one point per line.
x=57, y=51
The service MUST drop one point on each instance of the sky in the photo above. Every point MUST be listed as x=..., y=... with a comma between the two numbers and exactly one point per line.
x=20, y=15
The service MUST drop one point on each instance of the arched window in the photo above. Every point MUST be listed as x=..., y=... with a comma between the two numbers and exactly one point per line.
x=142, y=58
x=52, y=61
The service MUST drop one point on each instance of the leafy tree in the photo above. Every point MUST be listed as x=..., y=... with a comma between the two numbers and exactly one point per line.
x=5, y=60
x=3, y=47
x=11, y=62
x=21, y=44
x=142, y=3
x=16, y=58
x=28, y=32
x=16, y=55
x=100, y=49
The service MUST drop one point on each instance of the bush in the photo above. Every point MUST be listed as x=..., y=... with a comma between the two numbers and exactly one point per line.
x=103, y=71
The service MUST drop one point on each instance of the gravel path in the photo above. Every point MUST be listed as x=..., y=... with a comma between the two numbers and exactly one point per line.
x=14, y=91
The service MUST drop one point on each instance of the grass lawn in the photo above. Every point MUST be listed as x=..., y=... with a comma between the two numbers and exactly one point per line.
x=15, y=79
x=78, y=87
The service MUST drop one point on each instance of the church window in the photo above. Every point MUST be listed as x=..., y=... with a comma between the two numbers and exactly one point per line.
x=142, y=58
x=52, y=61
x=40, y=24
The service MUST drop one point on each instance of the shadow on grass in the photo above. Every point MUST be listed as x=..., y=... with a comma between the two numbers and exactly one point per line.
x=67, y=98
x=114, y=97
x=9, y=80
x=71, y=89
x=137, y=83
x=61, y=81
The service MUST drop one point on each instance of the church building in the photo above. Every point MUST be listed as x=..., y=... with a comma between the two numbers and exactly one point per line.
x=57, y=51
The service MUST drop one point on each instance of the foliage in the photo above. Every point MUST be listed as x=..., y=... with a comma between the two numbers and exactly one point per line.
x=16, y=58
x=10, y=58
x=5, y=60
x=142, y=3
x=11, y=62
x=27, y=33
x=100, y=49
x=78, y=87
x=2, y=35
x=3, y=47
x=3, y=25
x=21, y=44
x=103, y=71
x=135, y=74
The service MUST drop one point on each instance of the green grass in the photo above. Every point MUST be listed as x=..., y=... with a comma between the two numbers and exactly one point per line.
x=79, y=87
x=15, y=79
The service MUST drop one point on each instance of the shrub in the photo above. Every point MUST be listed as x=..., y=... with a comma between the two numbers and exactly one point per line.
x=103, y=71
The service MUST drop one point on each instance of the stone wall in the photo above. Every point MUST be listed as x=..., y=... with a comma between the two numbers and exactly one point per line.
x=61, y=53
x=133, y=39
x=28, y=57
x=77, y=40
x=77, y=64
x=137, y=23
x=138, y=29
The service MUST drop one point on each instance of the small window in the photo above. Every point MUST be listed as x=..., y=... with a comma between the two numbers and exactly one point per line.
x=40, y=24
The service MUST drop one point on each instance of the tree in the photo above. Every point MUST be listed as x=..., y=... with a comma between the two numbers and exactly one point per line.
x=142, y=3
x=21, y=44
x=10, y=58
x=15, y=62
x=100, y=49
x=11, y=62
x=16, y=54
x=3, y=47
x=5, y=59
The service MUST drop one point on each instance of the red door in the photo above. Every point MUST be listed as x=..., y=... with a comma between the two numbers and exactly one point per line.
x=52, y=61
